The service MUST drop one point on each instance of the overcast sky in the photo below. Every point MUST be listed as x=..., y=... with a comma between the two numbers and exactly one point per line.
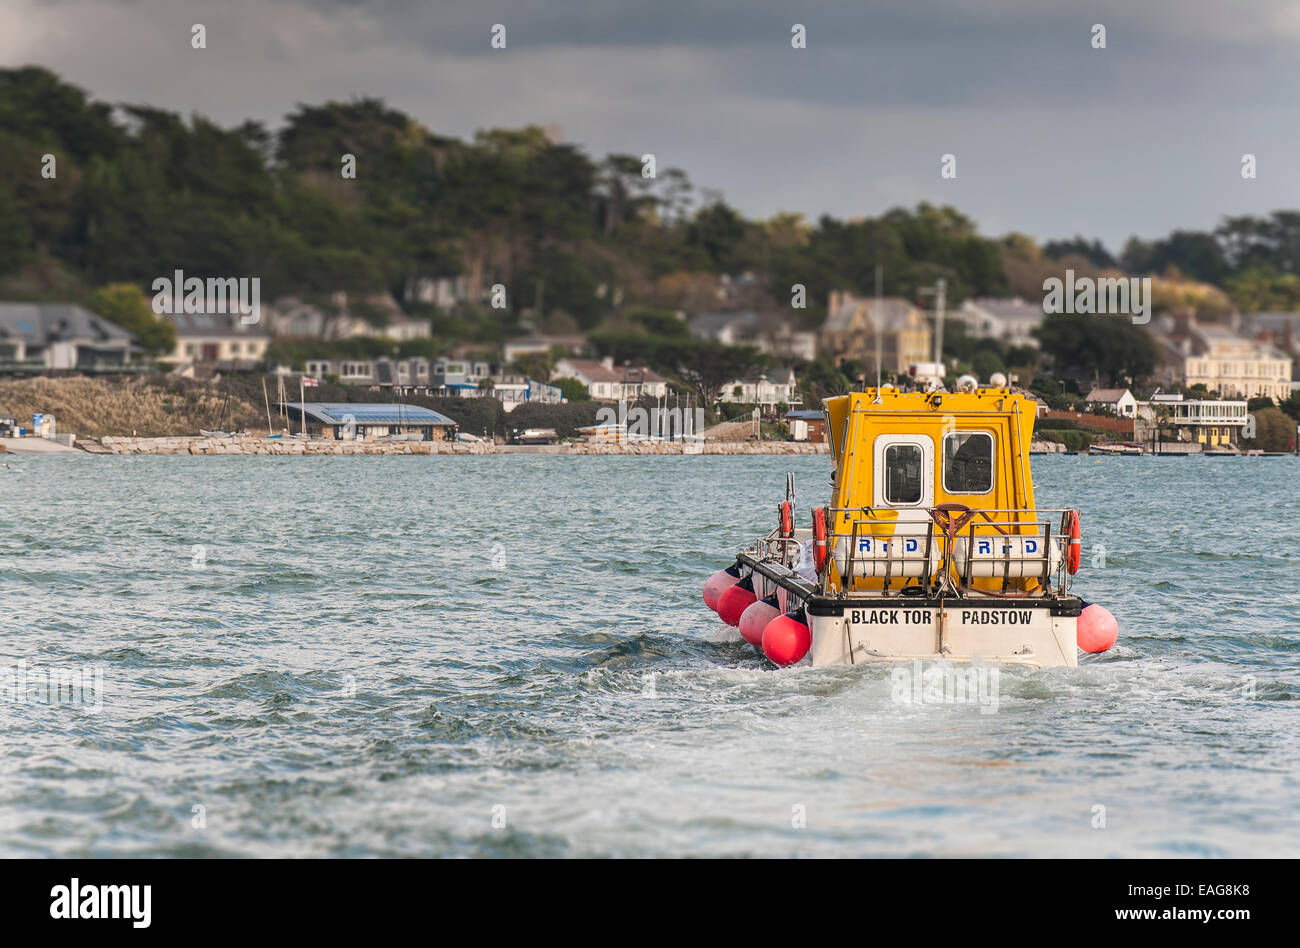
x=1051, y=136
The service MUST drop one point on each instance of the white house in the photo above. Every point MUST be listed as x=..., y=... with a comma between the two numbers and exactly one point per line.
x=767, y=390
x=607, y=382
x=1113, y=401
x=205, y=338
x=61, y=336
x=1010, y=321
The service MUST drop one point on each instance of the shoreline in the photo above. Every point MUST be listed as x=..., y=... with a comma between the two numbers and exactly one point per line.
x=295, y=447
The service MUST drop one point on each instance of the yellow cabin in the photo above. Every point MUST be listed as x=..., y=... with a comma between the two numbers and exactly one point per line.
x=901, y=455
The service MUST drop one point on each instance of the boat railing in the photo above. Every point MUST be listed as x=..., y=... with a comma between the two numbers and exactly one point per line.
x=774, y=547
x=966, y=549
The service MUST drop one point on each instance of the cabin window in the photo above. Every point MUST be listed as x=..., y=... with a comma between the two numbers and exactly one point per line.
x=968, y=462
x=903, y=474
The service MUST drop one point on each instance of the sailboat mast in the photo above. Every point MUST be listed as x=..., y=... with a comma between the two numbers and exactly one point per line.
x=267, y=400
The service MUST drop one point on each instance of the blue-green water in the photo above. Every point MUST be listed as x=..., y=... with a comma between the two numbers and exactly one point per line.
x=509, y=656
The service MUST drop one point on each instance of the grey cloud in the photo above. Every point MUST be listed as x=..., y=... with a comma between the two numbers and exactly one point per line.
x=1052, y=136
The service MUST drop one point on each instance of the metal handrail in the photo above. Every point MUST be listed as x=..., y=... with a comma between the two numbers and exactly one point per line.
x=1015, y=523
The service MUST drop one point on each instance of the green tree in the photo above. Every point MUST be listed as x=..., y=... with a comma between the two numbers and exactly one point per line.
x=1108, y=347
x=126, y=305
x=1291, y=405
x=1274, y=431
x=718, y=231
x=1093, y=251
x=985, y=363
x=574, y=391
x=534, y=365
x=710, y=365
x=659, y=322
x=822, y=378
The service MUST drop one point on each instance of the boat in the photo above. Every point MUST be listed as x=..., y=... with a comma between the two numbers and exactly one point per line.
x=930, y=545
x=222, y=434
x=1117, y=448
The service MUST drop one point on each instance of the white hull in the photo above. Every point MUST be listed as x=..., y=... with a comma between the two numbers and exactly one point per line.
x=899, y=631
x=860, y=629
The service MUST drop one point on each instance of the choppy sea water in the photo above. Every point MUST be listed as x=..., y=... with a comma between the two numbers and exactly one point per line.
x=508, y=656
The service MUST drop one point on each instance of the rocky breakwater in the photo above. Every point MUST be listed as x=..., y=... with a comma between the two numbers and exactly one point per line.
x=708, y=447
x=282, y=446
x=302, y=446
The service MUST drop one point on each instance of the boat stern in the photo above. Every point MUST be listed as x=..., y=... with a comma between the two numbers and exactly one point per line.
x=1038, y=633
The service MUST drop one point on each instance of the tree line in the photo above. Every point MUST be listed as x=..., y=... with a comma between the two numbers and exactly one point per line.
x=361, y=197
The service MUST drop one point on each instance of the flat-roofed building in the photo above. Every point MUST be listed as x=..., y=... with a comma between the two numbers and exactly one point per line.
x=1210, y=423
x=807, y=426
x=365, y=421
x=413, y=374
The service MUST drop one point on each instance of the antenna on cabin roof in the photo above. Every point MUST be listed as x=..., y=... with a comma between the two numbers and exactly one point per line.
x=880, y=279
x=940, y=294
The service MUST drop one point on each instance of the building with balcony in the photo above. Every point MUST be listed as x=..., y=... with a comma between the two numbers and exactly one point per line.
x=1206, y=424
x=768, y=390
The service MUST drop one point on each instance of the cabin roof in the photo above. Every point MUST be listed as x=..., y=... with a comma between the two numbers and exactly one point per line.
x=1106, y=395
x=369, y=413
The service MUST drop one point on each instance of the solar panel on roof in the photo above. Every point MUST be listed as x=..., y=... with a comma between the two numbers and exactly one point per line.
x=372, y=413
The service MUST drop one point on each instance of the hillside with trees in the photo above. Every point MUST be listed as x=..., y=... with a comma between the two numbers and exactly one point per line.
x=579, y=242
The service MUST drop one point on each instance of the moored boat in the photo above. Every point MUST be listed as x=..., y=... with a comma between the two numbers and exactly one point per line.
x=1117, y=448
x=931, y=546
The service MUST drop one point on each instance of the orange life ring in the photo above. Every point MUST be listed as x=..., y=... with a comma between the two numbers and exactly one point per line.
x=1075, y=549
x=787, y=519
x=819, y=538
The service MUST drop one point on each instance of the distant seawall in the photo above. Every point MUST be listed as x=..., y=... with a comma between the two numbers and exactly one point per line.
x=301, y=446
